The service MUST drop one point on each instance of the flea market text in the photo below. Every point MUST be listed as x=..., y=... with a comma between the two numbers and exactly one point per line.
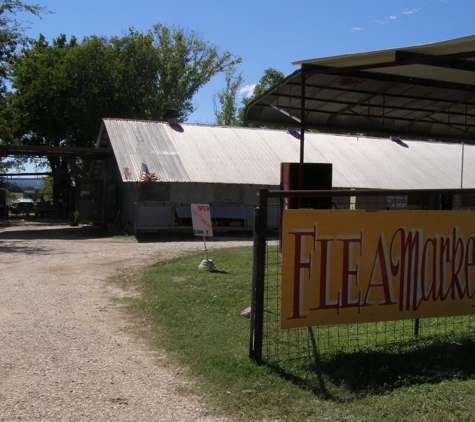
x=356, y=266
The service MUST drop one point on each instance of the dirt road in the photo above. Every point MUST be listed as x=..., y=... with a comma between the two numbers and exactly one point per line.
x=67, y=353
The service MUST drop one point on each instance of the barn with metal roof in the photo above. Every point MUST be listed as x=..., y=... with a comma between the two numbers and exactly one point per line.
x=226, y=166
x=418, y=92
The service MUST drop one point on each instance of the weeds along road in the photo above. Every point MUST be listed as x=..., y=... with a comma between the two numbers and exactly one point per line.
x=68, y=353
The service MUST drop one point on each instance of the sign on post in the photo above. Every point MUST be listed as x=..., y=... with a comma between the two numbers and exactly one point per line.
x=201, y=218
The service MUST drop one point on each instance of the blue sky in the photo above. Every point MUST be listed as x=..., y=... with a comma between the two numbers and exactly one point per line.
x=266, y=33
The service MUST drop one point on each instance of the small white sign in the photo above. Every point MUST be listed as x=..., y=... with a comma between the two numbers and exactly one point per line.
x=201, y=217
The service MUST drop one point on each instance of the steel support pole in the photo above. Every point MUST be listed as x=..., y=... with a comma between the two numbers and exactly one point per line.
x=259, y=270
x=302, y=135
x=255, y=242
x=302, y=131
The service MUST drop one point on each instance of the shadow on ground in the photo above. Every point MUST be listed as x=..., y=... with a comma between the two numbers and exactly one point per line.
x=373, y=372
x=37, y=228
x=21, y=228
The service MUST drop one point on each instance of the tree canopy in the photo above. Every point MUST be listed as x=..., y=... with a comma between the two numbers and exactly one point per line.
x=270, y=78
x=64, y=89
x=226, y=110
x=11, y=36
x=12, y=32
x=225, y=100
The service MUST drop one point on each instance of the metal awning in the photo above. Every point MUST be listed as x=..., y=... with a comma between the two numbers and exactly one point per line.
x=184, y=211
x=425, y=91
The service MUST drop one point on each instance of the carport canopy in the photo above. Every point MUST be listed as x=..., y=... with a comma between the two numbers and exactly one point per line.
x=425, y=91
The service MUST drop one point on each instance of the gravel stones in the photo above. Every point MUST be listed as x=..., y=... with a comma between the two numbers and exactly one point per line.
x=66, y=351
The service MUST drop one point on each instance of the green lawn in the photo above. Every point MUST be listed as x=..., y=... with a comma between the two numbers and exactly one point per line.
x=195, y=316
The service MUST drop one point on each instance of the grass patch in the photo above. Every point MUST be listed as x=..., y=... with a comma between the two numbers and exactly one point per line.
x=195, y=317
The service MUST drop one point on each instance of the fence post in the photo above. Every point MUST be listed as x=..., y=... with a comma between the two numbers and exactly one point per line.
x=253, y=287
x=258, y=276
x=433, y=205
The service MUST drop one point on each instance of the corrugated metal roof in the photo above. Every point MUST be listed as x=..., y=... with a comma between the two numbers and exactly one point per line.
x=237, y=155
x=420, y=91
x=459, y=45
x=136, y=142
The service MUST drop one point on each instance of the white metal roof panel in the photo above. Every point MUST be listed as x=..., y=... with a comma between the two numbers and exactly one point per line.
x=458, y=45
x=237, y=155
x=232, y=155
x=139, y=142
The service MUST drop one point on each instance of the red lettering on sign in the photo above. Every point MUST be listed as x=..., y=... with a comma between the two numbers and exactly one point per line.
x=408, y=269
x=381, y=259
x=469, y=262
x=202, y=219
x=300, y=265
x=325, y=303
x=348, y=273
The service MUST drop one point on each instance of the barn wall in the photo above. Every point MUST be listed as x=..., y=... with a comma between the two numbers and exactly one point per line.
x=191, y=193
x=155, y=204
x=154, y=216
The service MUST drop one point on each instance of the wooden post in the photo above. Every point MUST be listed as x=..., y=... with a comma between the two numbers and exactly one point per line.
x=257, y=306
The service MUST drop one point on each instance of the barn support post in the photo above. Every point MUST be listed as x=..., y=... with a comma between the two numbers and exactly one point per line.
x=258, y=275
x=302, y=135
x=302, y=131
x=135, y=211
x=254, y=278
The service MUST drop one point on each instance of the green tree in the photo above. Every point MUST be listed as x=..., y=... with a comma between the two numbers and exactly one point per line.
x=47, y=188
x=226, y=111
x=270, y=78
x=12, y=32
x=40, y=81
x=11, y=36
x=63, y=90
x=185, y=64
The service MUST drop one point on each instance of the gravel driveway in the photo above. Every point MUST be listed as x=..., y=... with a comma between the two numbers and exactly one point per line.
x=67, y=352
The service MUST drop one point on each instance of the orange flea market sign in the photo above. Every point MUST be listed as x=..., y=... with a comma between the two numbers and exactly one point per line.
x=342, y=266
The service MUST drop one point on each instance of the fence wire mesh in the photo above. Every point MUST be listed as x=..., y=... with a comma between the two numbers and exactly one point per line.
x=295, y=352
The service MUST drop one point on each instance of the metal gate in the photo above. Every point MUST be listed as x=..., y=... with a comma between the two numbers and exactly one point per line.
x=295, y=350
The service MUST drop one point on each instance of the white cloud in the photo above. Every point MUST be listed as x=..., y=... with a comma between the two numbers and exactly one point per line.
x=410, y=12
x=395, y=17
x=392, y=18
x=247, y=91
